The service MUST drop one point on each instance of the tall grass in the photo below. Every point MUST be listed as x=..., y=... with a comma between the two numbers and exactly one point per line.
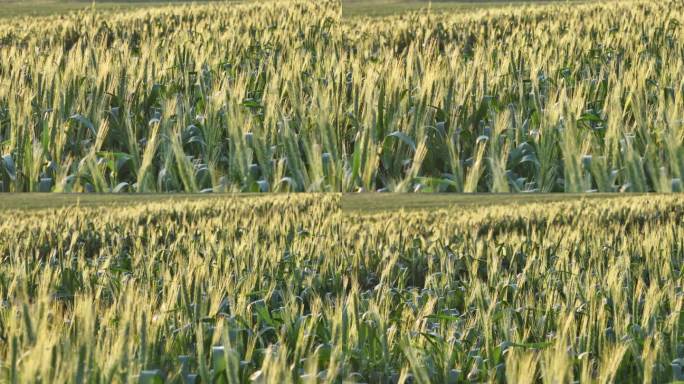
x=292, y=289
x=290, y=96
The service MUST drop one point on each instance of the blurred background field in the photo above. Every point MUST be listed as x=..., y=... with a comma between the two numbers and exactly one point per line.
x=350, y=8
x=17, y=8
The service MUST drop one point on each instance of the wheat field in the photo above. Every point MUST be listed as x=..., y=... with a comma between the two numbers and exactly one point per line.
x=290, y=96
x=250, y=282
x=291, y=288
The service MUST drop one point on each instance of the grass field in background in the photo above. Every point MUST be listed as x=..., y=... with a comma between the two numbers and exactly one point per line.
x=15, y=8
x=363, y=202
x=374, y=202
x=350, y=8
x=38, y=201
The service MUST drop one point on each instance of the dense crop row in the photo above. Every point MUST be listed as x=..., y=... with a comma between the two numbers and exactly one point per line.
x=291, y=96
x=291, y=289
